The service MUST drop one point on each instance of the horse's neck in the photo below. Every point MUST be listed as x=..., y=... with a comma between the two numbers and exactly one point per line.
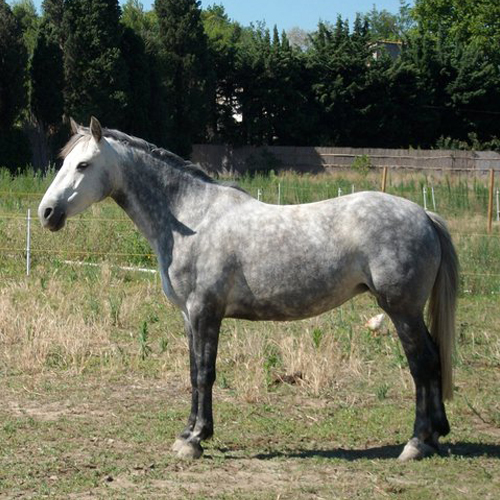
x=161, y=199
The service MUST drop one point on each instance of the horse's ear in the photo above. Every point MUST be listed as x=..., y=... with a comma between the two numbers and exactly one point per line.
x=73, y=125
x=95, y=129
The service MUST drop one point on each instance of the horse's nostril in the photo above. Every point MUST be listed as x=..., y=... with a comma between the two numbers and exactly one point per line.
x=47, y=213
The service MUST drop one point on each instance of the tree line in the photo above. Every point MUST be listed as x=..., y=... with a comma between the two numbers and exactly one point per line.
x=177, y=75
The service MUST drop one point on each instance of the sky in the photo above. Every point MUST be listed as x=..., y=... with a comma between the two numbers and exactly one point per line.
x=287, y=14
x=305, y=14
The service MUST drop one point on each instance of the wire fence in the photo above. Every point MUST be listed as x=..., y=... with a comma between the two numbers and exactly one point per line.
x=105, y=235
x=430, y=197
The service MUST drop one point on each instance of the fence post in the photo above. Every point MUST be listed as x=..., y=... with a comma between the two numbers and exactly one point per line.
x=339, y=192
x=424, y=193
x=433, y=198
x=259, y=194
x=490, y=201
x=498, y=206
x=384, y=179
x=279, y=193
x=28, y=243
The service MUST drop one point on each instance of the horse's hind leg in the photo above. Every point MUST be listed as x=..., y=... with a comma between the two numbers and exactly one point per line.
x=425, y=367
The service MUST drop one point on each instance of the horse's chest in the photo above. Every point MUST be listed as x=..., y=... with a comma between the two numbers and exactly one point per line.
x=175, y=278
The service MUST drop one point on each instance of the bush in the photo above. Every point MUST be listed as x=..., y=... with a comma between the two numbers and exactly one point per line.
x=362, y=164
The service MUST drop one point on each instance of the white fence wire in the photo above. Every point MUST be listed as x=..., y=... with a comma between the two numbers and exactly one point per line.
x=29, y=250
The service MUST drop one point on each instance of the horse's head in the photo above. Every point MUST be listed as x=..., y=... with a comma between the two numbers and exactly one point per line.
x=87, y=175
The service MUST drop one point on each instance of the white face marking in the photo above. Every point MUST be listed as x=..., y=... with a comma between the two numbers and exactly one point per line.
x=84, y=178
x=72, y=197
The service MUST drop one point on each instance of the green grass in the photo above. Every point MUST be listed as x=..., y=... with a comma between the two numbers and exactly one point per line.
x=95, y=384
x=104, y=232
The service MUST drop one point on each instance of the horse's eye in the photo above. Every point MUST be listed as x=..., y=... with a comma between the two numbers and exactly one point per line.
x=82, y=165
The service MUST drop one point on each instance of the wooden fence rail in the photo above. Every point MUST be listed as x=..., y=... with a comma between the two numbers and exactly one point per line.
x=223, y=159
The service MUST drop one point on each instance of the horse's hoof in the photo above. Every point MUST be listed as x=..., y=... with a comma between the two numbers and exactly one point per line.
x=416, y=450
x=190, y=451
x=178, y=444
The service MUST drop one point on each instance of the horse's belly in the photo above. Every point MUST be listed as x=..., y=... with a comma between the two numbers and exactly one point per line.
x=289, y=304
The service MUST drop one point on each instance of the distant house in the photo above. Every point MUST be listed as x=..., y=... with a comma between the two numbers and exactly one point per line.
x=393, y=49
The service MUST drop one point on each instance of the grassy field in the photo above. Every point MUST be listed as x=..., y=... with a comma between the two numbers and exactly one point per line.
x=95, y=385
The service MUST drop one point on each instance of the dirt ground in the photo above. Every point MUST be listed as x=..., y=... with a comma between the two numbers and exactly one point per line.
x=85, y=438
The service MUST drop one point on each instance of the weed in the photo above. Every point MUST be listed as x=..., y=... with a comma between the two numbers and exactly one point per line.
x=115, y=303
x=381, y=391
x=223, y=381
x=317, y=335
x=163, y=344
x=144, y=348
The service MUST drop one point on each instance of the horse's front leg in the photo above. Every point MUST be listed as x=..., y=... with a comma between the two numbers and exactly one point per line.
x=186, y=433
x=204, y=330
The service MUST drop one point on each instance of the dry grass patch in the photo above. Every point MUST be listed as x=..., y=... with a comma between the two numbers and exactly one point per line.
x=47, y=330
x=84, y=319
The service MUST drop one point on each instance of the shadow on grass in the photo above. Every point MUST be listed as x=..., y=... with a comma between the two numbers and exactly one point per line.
x=382, y=452
x=459, y=449
x=464, y=449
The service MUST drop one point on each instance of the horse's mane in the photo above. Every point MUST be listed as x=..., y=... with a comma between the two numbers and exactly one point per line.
x=136, y=143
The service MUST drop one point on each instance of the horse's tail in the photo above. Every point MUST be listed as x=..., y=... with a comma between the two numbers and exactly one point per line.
x=441, y=309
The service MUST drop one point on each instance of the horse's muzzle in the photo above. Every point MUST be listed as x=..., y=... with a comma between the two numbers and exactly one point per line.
x=52, y=217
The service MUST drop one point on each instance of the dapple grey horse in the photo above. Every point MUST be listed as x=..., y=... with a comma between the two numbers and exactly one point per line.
x=224, y=254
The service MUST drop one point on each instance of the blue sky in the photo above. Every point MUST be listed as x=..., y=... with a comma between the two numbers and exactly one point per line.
x=289, y=13
x=302, y=13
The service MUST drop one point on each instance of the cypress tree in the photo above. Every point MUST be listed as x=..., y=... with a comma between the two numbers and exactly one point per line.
x=223, y=39
x=27, y=16
x=139, y=95
x=474, y=96
x=95, y=71
x=13, y=61
x=291, y=115
x=47, y=133
x=47, y=77
x=53, y=14
x=14, y=150
x=187, y=76
x=339, y=62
